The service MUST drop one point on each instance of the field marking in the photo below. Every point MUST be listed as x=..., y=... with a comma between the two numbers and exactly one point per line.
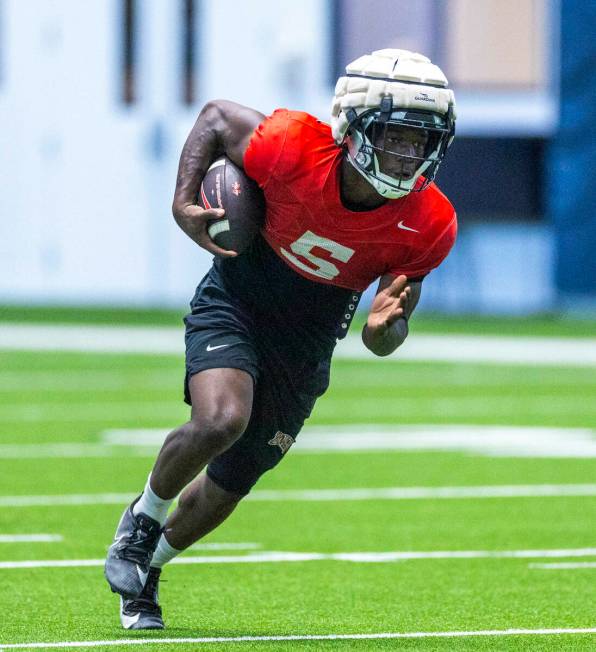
x=64, y=500
x=170, y=341
x=332, y=495
x=565, y=565
x=67, y=450
x=30, y=538
x=491, y=441
x=425, y=493
x=302, y=637
x=225, y=546
x=291, y=557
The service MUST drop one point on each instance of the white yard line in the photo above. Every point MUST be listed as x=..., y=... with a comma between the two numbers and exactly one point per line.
x=542, y=351
x=52, y=563
x=355, y=557
x=93, y=339
x=67, y=499
x=225, y=546
x=301, y=637
x=565, y=565
x=428, y=493
x=43, y=451
x=332, y=495
x=448, y=348
x=30, y=538
x=491, y=441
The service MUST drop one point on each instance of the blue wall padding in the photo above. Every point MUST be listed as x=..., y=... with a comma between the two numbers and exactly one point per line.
x=571, y=157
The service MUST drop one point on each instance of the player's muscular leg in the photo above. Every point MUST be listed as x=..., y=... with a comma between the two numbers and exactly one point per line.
x=203, y=505
x=221, y=407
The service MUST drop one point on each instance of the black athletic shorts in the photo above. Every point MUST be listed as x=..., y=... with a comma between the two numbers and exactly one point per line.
x=222, y=331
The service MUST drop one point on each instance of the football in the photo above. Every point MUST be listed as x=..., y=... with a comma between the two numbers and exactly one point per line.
x=226, y=186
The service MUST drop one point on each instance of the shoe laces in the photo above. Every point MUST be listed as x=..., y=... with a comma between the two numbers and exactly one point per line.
x=141, y=543
x=147, y=601
x=144, y=605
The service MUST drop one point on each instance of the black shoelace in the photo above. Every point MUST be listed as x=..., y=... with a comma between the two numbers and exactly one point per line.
x=147, y=601
x=145, y=605
x=141, y=543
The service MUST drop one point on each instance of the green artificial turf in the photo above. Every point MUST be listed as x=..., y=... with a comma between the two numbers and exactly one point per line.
x=546, y=324
x=71, y=396
x=48, y=398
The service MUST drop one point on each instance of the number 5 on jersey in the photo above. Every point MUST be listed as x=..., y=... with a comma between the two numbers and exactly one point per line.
x=321, y=267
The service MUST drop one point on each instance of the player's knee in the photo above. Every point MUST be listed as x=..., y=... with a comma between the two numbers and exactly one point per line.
x=218, y=431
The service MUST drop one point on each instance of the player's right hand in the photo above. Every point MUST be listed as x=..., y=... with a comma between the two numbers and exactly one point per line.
x=194, y=220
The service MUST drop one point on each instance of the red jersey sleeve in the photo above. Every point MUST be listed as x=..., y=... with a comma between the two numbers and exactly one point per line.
x=433, y=255
x=266, y=146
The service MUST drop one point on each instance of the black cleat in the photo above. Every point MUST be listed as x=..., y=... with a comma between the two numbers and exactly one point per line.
x=127, y=565
x=143, y=612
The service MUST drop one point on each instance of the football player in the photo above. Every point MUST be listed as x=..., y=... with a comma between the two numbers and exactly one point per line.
x=346, y=204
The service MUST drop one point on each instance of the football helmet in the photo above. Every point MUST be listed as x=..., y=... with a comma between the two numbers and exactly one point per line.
x=381, y=93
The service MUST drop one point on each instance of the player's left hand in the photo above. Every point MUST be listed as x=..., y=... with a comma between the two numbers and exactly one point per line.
x=389, y=305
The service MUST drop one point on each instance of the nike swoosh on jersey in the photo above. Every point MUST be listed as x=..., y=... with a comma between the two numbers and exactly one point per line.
x=213, y=348
x=401, y=225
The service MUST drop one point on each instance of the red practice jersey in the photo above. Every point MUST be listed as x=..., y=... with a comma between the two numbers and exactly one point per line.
x=294, y=159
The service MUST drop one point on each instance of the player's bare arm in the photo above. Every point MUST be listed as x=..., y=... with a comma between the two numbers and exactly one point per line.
x=387, y=324
x=222, y=128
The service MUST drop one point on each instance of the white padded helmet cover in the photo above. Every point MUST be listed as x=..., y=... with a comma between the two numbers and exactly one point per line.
x=383, y=73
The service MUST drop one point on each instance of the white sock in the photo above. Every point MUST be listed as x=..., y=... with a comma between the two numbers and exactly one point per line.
x=152, y=505
x=163, y=553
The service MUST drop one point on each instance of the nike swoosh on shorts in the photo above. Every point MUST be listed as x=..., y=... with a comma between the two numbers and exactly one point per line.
x=213, y=348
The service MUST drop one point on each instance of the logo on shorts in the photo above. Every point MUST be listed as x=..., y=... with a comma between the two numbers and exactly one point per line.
x=214, y=348
x=282, y=440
